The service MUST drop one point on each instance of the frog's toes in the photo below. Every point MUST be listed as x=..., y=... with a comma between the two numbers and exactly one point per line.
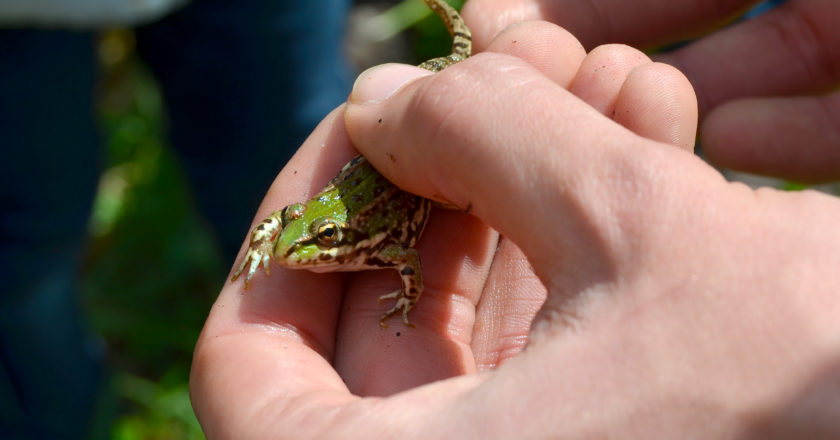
x=256, y=257
x=241, y=268
x=404, y=304
x=259, y=251
x=252, y=261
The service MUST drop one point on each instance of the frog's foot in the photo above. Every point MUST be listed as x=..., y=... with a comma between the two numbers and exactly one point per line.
x=407, y=263
x=404, y=303
x=259, y=250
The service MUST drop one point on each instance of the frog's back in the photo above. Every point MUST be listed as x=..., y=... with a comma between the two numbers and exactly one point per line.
x=376, y=209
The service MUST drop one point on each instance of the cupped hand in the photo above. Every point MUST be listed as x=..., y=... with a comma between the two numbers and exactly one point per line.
x=765, y=85
x=676, y=303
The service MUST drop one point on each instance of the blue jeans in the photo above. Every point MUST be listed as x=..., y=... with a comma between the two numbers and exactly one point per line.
x=244, y=83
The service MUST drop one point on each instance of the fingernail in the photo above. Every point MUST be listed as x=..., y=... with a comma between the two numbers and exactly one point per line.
x=380, y=82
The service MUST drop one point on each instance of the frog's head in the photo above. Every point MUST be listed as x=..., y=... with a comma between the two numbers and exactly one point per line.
x=308, y=237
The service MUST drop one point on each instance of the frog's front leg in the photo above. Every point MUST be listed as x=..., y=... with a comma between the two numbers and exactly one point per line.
x=260, y=250
x=407, y=263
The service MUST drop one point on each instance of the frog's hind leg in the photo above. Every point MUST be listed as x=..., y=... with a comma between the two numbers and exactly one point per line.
x=461, y=38
x=407, y=263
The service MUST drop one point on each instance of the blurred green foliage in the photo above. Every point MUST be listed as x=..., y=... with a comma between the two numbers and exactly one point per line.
x=153, y=269
x=429, y=35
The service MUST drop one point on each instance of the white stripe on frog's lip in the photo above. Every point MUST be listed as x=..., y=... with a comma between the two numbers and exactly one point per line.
x=338, y=259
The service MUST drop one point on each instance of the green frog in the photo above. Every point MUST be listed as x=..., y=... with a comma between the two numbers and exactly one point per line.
x=360, y=220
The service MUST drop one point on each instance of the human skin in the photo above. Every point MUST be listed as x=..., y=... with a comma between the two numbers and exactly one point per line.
x=764, y=85
x=672, y=304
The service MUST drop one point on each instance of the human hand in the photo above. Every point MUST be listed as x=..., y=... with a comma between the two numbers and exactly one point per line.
x=664, y=304
x=763, y=84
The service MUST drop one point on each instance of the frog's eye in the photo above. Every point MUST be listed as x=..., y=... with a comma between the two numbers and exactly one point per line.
x=327, y=232
x=291, y=212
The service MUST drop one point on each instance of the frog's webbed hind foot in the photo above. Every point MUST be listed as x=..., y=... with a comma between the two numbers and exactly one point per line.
x=404, y=304
x=260, y=249
x=407, y=263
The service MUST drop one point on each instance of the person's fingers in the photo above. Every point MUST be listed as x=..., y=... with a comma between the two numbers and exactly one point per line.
x=641, y=23
x=793, y=49
x=608, y=76
x=657, y=102
x=602, y=75
x=469, y=133
x=792, y=138
x=617, y=80
x=549, y=48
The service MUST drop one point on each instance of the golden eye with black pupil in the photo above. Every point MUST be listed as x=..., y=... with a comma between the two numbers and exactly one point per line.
x=327, y=232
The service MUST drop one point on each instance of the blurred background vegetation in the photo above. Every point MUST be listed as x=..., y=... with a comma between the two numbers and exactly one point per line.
x=153, y=269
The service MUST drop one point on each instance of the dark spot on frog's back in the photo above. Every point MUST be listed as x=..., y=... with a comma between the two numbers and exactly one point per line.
x=407, y=271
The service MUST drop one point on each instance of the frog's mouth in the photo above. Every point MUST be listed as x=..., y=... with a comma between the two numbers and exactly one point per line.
x=298, y=244
x=325, y=255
